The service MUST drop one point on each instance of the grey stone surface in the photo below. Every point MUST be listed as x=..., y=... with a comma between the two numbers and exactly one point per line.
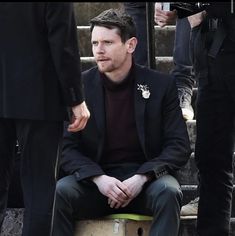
x=164, y=64
x=191, y=127
x=189, y=173
x=164, y=40
x=13, y=222
x=84, y=41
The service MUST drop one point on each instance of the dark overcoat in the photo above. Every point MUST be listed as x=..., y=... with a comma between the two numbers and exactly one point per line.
x=39, y=60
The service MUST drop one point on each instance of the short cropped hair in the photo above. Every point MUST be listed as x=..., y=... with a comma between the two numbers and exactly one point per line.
x=115, y=18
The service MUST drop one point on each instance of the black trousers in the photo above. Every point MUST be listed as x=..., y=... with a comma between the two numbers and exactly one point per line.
x=137, y=10
x=215, y=144
x=15, y=195
x=39, y=143
x=182, y=70
x=82, y=200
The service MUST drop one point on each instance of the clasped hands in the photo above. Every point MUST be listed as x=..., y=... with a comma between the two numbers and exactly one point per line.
x=120, y=193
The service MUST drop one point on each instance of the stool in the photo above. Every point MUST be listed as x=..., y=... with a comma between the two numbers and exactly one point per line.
x=115, y=225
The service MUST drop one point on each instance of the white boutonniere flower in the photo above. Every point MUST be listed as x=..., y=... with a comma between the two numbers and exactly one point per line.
x=145, y=90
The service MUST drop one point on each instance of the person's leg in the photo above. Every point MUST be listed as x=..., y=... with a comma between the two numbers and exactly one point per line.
x=39, y=143
x=15, y=195
x=137, y=10
x=183, y=70
x=77, y=200
x=7, y=151
x=214, y=150
x=162, y=199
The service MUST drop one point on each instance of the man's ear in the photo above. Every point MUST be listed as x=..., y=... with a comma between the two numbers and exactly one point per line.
x=131, y=44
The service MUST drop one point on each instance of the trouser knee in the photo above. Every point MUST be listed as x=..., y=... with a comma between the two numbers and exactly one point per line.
x=166, y=193
x=65, y=191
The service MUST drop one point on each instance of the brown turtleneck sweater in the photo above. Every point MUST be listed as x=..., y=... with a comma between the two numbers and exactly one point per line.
x=122, y=142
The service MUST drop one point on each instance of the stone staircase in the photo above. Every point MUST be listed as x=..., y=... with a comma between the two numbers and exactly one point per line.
x=163, y=56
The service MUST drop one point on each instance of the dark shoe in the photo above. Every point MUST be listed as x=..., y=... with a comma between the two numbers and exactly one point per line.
x=185, y=104
x=190, y=209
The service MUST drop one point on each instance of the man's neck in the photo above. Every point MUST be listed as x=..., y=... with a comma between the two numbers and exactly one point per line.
x=118, y=76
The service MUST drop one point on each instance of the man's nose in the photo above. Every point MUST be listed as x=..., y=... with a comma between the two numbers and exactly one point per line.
x=100, y=48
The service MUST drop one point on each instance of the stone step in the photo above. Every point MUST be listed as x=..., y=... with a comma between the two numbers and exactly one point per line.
x=191, y=127
x=188, y=174
x=164, y=40
x=163, y=37
x=190, y=192
x=13, y=222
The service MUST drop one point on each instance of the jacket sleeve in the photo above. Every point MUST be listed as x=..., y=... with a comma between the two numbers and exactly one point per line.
x=176, y=150
x=73, y=159
x=62, y=38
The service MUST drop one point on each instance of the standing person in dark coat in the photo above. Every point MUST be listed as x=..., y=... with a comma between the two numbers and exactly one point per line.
x=39, y=78
x=212, y=48
x=213, y=53
x=134, y=143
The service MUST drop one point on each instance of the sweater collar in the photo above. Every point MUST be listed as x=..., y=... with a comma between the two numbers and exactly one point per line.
x=126, y=82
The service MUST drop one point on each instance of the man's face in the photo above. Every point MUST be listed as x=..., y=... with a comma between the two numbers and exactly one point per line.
x=109, y=51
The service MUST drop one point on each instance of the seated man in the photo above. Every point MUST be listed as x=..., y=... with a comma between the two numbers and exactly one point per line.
x=135, y=141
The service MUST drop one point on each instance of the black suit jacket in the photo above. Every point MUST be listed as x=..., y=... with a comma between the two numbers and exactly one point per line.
x=39, y=60
x=160, y=126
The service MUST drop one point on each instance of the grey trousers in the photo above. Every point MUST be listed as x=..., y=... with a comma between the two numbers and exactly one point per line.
x=82, y=200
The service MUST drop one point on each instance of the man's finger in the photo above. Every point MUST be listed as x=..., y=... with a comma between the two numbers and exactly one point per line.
x=78, y=124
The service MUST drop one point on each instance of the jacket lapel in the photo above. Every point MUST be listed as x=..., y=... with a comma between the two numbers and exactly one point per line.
x=98, y=108
x=140, y=103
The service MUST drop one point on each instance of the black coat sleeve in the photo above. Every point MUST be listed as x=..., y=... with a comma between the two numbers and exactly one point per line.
x=74, y=159
x=62, y=37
